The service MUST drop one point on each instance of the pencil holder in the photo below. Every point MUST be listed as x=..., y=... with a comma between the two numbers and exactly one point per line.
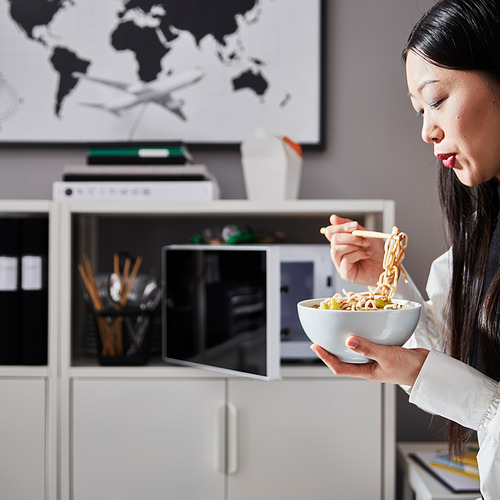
x=123, y=336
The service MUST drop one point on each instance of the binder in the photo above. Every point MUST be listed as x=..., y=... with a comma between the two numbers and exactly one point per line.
x=175, y=153
x=10, y=233
x=34, y=290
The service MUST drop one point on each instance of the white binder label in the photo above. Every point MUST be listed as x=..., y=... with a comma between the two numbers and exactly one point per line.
x=8, y=273
x=31, y=272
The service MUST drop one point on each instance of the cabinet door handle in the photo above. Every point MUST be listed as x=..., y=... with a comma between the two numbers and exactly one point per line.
x=232, y=438
x=221, y=439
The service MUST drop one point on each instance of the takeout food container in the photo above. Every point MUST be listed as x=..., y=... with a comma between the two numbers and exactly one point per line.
x=272, y=168
x=330, y=328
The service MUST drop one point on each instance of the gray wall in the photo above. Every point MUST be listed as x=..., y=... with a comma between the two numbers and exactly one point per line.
x=373, y=146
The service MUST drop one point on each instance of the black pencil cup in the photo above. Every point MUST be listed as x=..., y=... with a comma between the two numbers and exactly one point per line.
x=123, y=336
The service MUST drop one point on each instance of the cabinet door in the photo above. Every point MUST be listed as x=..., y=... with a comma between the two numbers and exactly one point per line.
x=297, y=439
x=22, y=438
x=151, y=439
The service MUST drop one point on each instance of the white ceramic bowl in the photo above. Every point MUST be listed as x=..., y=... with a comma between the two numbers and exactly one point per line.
x=330, y=329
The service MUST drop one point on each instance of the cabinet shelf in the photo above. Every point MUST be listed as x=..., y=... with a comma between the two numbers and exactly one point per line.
x=23, y=207
x=224, y=207
x=22, y=371
x=143, y=228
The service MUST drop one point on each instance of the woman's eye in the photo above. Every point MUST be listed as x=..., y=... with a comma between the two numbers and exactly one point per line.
x=432, y=105
x=436, y=104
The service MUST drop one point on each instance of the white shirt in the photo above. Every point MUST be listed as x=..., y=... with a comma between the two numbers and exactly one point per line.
x=450, y=388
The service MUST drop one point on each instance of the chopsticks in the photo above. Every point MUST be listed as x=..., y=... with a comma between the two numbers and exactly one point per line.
x=364, y=234
x=111, y=335
x=128, y=281
x=106, y=334
x=370, y=234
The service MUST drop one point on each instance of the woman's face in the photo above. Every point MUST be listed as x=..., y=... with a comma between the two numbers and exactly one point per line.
x=461, y=117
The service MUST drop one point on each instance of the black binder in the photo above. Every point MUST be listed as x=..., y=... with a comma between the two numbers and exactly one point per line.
x=10, y=234
x=34, y=290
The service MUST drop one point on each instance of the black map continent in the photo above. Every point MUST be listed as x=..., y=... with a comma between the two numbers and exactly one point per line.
x=144, y=43
x=31, y=13
x=252, y=81
x=66, y=62
x=199, y=18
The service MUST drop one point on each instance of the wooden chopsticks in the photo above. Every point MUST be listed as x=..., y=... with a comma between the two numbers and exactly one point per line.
x=364, y=234
x=110, y=334
x=370, y=234
x=106, y=334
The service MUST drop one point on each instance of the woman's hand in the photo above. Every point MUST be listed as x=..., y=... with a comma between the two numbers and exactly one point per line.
x=392, y=364
x=358, y=260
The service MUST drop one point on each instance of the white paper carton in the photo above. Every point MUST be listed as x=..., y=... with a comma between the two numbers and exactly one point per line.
x=271, y=169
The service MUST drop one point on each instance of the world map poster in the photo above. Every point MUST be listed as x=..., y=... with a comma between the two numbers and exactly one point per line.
x=199, y=71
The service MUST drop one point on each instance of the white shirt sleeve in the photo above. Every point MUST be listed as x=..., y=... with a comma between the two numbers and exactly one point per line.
x=450, y=388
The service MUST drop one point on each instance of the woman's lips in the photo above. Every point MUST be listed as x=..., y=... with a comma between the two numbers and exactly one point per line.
x=448, y=160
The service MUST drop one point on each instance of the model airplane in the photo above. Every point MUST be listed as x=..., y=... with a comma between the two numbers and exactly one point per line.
x=158, y=91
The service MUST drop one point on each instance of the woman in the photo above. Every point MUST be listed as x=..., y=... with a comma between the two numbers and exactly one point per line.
x=451, y=365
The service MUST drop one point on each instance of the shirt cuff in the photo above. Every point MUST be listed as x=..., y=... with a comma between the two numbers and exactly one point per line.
x=452, y=389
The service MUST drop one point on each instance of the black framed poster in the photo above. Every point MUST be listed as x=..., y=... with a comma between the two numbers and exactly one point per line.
x=76, y=72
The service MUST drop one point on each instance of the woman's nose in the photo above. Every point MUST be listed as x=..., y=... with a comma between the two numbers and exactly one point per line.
x=431, y=132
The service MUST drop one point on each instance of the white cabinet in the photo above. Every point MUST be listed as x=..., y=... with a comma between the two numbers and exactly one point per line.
x=226, y=438
x=28, y=394
x=151, y=439
x=159, y=431
x=22, y=434
x=297, y=439
x=83, y=431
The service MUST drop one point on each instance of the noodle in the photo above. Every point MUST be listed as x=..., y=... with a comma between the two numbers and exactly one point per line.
x=381, y=297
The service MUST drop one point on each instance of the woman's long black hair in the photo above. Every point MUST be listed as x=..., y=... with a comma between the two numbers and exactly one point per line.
x=465, y=35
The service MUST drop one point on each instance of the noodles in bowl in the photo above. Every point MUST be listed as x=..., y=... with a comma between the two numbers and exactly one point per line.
x=331, y=328
x=381, y=297
x=374, y=314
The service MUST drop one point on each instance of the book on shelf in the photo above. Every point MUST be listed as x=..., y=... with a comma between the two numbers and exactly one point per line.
x=458, y=472
x=175, y=153
x=146, y=173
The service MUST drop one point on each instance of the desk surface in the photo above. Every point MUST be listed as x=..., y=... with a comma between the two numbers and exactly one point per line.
x=422, y=483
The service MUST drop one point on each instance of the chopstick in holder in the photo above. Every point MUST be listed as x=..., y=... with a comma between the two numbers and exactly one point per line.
x=116, y=264
x=364, y=234
x=116, y=326
x=102, y=325
x=126, y=285
x=130, y=281
x=125, y=277
x=91, y=289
